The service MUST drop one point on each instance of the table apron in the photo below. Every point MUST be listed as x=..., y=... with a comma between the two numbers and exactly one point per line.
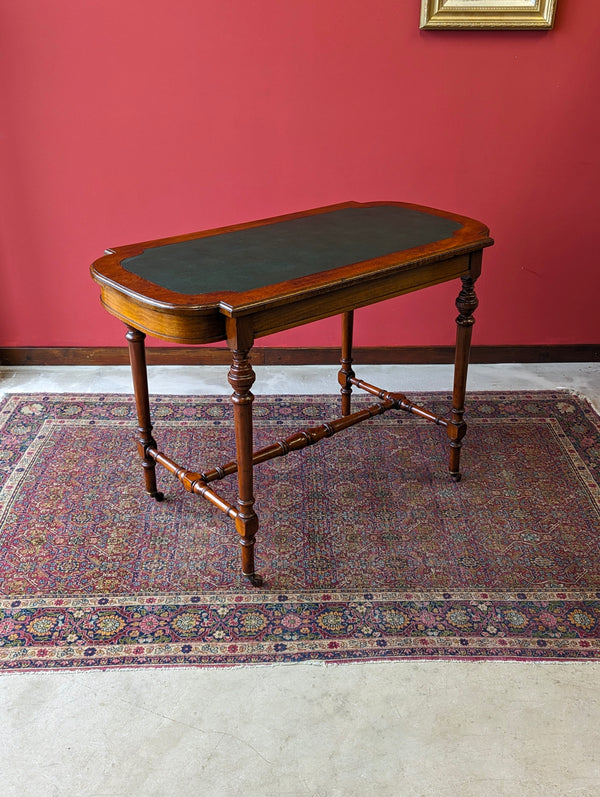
x=297, y=311
x=188, y=325
x=175, y=324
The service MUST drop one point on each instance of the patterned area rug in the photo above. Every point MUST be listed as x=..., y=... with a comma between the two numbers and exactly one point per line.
x=367, y=547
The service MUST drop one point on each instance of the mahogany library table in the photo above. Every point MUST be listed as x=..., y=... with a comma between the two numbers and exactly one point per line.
x=239, y=283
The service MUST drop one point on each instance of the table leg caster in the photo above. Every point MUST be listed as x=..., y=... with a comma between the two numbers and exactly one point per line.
x=254, y=579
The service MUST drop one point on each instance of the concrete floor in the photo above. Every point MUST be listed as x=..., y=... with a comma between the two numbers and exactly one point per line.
x=305, y=730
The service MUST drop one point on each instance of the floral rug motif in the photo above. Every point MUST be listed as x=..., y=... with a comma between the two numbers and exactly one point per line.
x=367, y=548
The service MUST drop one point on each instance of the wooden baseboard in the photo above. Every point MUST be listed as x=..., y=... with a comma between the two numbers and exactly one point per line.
x=203, y=355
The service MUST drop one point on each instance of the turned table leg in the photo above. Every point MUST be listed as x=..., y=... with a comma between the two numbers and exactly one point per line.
x=241, y=378
x=137, y=357
x=346, y=373
x=466, y=304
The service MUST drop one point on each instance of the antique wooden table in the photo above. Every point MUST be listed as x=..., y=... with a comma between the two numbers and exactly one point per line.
x=242, y=282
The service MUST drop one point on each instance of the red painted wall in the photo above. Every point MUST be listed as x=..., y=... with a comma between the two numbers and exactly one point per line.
x=125, y=120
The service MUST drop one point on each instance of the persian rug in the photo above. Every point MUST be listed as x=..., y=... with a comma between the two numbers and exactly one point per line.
x=368, y=549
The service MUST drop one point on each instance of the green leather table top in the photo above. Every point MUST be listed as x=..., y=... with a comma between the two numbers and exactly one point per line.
x=246, y=259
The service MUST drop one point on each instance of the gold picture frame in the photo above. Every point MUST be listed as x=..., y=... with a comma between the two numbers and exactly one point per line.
x=491, y=14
